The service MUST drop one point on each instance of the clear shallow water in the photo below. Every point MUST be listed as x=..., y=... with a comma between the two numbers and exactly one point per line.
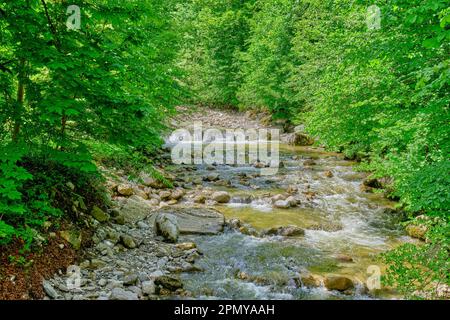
x=238, y=266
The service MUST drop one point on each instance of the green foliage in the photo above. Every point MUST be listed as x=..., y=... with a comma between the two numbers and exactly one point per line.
x=420, y=271
x=112, y=81
x=214, y=35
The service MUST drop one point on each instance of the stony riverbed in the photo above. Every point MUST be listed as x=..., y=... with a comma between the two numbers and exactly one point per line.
x=309, y=232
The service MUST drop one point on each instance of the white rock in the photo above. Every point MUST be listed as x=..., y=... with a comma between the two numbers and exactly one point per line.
x=282, y=204
x=148, y=288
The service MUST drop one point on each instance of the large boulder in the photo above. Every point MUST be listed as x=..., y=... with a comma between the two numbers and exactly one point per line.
x=177, y=194
x=310, y=281
x=221, y=197
x=135, y=209
x=99, y=214
x=151, y=182
x=166, y=225
x=299, y=137
x=417, y=231
x=338, y=283
x=125, y=189
x=282, y=204
x=212, y=177
x=193, y=220
x=49, y=290
x=168, y=283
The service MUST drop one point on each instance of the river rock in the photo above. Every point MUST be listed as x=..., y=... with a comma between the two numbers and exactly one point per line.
x=234, y=224
x=310, y=281
x=165, y=195
x=289, y=231
x=99, y=214
x=292, y=189
x=166, y=225
x=282, y=204
x=338, y=283
x=135, y=209
x=140, y=193
x=122, y=294
x=151, y=182
x=193, y=220
x=248, y=230
x=125, y=190
x=185, y=246
x=168, y=282
x=96, y=264
x=417, y=231
x=201, y=199
x=148, y=288
x=130, y=279
x=221, y=197
x=299, y=139
x=154, y=202
x=49, y=290
x=278, y=197
x=128, y=242
x=293, y=202
x=212, y=177
x=328, y=174
x=177, y=194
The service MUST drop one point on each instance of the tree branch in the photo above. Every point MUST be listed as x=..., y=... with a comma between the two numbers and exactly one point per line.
x=53, y=29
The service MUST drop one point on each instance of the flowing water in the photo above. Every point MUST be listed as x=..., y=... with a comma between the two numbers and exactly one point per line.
x=339, y=219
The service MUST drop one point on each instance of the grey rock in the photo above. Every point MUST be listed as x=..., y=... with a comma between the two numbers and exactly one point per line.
x=289, y=231
x=212, y=177
x=142, y=225
x=130, y=279
x=166, y=225
x=195, y=220
x=122, y=294
x=49, y=290
x=148, y=288
x=128, y=241
x=135, y=209
x=282, y=204
x=168, y=282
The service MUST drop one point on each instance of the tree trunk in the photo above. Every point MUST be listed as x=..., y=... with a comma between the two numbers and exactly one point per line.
x=20, y=100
